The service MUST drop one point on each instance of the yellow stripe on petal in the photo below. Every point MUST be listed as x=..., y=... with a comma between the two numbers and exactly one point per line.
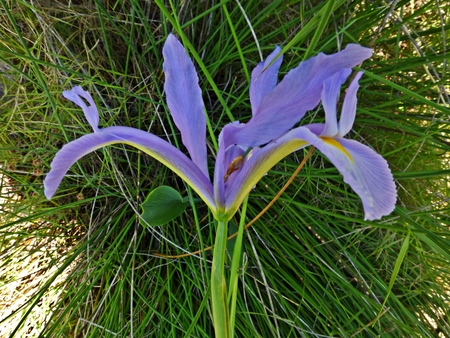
x=335, y=143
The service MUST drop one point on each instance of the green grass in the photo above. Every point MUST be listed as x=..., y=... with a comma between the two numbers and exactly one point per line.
x=311, y=265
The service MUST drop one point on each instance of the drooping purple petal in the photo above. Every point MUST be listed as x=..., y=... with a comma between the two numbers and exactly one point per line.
x=330, y=96
x=297, y=93
x=184, y=99
x=264, y=79
x=156, y=147
x=91, y=112
x=366, y=172
x=371, y=179
x=349, y=107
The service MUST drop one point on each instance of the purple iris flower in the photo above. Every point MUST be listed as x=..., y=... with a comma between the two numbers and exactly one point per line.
x=276, y=108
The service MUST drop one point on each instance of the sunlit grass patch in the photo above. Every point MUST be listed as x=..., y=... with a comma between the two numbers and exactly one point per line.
x=32, y=253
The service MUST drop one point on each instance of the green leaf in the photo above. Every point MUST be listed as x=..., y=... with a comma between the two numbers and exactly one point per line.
x=161, y=206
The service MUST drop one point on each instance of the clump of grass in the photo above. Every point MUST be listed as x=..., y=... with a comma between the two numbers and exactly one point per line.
x=310, y=266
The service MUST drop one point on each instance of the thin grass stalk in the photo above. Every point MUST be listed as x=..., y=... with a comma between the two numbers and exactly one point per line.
x=236, y=259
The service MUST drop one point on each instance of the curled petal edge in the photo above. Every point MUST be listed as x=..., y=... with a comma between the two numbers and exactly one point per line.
x=91, y=111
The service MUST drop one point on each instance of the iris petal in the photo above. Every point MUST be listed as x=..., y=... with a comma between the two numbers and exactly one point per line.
x=370, y=177
x=91, y=112
x=349, y=107
x=330, y=95
x=219, y=172
x=366, y=172
x=224, y=158
x=184, y=98
x=298, y=92
x=258, y=165
x=264, y=79
x=234, y=160
x=156, y=147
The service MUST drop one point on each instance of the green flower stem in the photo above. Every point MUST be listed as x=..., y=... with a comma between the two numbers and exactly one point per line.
x=237, y=252
x=218, y=283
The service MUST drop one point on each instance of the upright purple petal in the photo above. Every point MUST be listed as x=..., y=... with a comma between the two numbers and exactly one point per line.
x=156, y=147
x=330, y=96
x=297, y=93
x=75, y=95
x=234, y=160
x=223, y=160
x=349, y=107
x=219, y=173
x=222, y=181
x=184, y=99
x=264, y=79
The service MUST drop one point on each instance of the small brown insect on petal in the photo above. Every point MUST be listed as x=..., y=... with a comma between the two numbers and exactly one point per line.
x=234, y=165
